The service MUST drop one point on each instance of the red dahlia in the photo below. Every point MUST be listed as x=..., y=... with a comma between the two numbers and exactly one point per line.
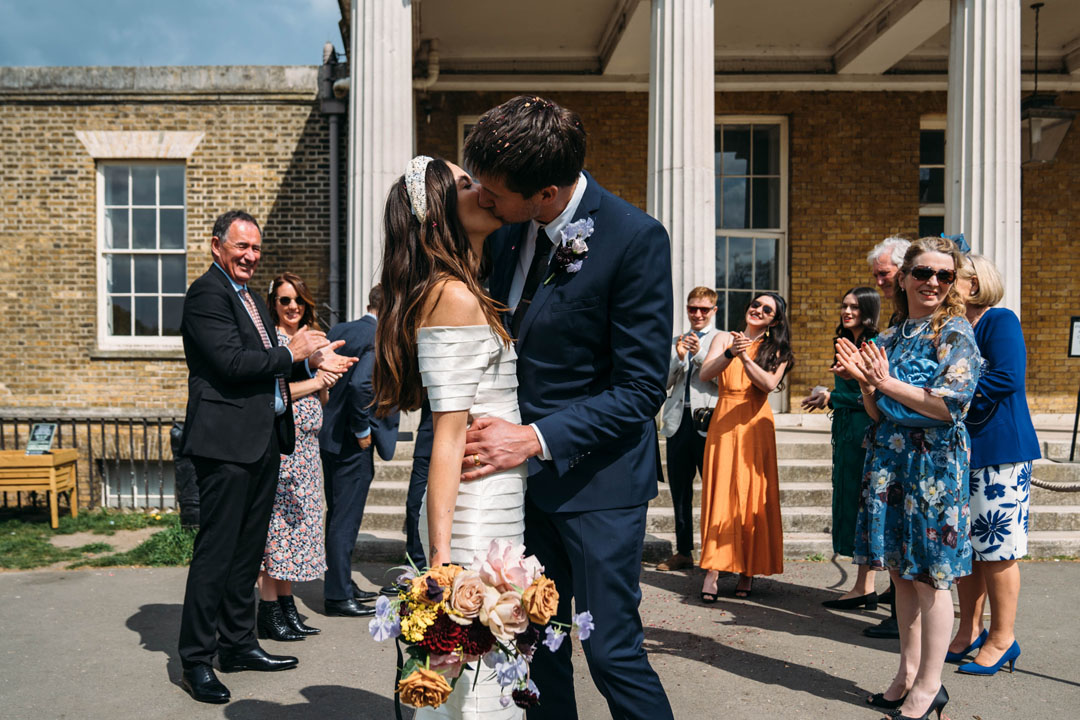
x=443, y=636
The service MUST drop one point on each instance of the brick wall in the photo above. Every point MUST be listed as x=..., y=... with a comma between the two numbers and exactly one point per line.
x=853, y=180
x=266, y=154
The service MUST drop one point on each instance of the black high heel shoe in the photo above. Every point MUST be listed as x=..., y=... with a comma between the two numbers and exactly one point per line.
x=878, y=700
x=938, y=704
x=870, y=601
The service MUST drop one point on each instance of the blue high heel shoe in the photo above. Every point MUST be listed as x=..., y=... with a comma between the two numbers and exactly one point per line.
x=1010, y=656
x=978, y=643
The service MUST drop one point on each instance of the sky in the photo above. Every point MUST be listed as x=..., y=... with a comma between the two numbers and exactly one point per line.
x=167, y=32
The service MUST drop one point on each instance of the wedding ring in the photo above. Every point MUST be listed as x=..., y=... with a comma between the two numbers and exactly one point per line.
x=476, y=459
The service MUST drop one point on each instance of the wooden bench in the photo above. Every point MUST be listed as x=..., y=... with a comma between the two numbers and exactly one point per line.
x=50, y=473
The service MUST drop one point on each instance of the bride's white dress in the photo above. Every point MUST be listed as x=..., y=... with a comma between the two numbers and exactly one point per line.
x=469, y=368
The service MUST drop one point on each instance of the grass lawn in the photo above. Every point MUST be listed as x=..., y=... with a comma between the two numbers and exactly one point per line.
x=25, y=539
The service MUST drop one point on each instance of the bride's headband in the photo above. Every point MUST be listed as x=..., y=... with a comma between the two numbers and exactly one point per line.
x=416, y=185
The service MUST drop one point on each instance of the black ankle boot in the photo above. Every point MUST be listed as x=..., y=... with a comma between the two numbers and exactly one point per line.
x=272, y=625
x=288, y=608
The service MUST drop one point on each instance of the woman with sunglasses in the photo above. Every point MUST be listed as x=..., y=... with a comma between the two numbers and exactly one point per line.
x=916, y=384
x=294, y=543
x=740, y=488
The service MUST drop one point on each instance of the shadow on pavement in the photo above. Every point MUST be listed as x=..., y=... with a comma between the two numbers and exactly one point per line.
x=759, y=668
x=158, y=626
x=324, y=702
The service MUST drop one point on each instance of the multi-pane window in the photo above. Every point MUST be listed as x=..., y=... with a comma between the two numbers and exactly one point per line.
x=751, y=217
x=465, y=125
x=142, y=259
x=931, y=178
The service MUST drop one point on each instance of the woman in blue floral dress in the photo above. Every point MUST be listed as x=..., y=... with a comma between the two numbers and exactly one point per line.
x=917, y=382
x=295, y=551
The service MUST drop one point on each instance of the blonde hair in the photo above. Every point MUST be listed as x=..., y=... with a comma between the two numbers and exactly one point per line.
x=991, y=287
x=702, y=292
x=952, y=305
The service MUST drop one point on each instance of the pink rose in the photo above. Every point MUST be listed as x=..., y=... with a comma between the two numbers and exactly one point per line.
x=504, y=614
x=505, y=567
x=467, y=597
x=449, y=665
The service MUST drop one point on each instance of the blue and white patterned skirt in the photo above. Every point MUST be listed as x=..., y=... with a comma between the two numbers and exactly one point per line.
x=1000, y=496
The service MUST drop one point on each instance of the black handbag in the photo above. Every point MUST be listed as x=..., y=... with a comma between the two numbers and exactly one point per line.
x=702, y=417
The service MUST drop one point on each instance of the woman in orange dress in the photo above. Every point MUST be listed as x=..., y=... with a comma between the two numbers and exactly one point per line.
x=740, y=494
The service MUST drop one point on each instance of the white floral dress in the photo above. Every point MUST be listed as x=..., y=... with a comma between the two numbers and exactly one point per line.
x=913, y=512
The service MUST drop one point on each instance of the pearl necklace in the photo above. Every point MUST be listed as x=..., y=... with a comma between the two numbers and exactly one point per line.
x=918, y=330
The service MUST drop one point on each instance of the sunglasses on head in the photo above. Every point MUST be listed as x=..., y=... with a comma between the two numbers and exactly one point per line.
x=697, y=310
x=922, y=273
x=765, y=309
x=285, y=301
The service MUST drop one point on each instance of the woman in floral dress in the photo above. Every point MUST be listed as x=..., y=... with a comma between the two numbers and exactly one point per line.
x=294, y=544
x=917, y=382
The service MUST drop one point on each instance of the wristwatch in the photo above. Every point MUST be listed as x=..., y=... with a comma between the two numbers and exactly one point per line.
x=728, y=354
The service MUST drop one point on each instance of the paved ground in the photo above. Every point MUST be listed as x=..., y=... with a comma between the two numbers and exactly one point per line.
x=101, y=644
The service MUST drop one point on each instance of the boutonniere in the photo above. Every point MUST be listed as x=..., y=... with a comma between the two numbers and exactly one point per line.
x=572, y=249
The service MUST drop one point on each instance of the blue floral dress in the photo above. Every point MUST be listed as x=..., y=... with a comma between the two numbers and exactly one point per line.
x=913, y=511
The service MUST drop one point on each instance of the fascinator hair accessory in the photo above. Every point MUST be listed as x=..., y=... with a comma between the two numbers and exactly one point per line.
x=959, y=241
x=416, y=186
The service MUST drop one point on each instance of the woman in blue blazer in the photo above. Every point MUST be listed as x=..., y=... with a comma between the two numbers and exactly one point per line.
x=1003, y=446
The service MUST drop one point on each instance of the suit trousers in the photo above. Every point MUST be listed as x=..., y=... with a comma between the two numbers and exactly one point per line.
x=414, y=548
x=685, y=456
x=594, y=558
x=235, y=502
x=348, y=479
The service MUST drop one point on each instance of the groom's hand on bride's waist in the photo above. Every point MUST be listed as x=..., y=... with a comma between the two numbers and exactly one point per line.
x=492, y=445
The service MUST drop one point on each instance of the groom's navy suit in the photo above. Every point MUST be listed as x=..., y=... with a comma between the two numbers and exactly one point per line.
x=592, y=368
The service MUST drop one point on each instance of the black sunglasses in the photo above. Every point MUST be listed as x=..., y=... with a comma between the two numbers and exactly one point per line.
x=695, y=310
x=922, y=273
x=765, y=309
x=284, y=301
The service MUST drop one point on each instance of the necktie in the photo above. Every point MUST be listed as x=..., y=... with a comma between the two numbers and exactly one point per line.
x=249, y=305
x=532, y=280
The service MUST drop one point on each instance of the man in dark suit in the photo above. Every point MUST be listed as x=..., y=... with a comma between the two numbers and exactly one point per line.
x=239, y=422
x=593, y=326
x=350, y=434
x=425, y=436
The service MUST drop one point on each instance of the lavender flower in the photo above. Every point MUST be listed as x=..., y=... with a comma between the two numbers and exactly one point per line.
x=554, y=638
x=584, y=623
x=509, y=673
x=386, y=623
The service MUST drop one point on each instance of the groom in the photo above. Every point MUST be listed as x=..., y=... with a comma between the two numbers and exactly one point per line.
x=592, y=330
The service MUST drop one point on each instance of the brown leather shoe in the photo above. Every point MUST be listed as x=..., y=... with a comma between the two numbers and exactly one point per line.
x=677, y=561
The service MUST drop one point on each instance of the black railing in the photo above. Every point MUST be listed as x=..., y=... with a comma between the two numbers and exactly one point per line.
x=123, y=461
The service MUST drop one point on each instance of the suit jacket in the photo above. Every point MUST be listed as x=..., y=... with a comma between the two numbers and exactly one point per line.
x=702, y=394
x=349, y=409
x=593, y=358
x=231, y=376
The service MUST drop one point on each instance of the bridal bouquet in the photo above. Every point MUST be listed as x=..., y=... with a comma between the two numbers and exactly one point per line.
x=491, y=613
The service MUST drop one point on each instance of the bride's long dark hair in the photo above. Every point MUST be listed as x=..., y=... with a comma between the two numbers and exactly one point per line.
x=417, y=259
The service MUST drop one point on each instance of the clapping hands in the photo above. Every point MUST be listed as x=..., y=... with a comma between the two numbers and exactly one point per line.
x=687, y=343
x=739, y=343
x=868, y=365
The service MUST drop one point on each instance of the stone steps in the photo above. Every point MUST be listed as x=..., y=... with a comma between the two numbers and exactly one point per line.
x=804, y=454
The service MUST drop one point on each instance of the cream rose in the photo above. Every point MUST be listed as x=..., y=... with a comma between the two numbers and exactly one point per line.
x=466, y=597
x=504, y=615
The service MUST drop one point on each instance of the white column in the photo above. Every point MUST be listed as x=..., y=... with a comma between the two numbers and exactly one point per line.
x=380, y=133
x=982, y=166
x=681, y=189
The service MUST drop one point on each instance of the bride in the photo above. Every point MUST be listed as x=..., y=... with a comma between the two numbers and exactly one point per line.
x=440, y=333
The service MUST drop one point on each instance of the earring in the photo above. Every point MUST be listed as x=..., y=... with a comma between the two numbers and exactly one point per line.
x=767, y=332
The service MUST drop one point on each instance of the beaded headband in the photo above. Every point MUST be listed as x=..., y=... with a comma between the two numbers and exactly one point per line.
x=416, y=185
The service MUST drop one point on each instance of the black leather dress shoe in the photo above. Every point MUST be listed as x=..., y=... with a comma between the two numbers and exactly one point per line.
x=348, y=608
x=885, y=629
x=203, y=685
x=393, y=589
x=255, y=659
x=362, y=594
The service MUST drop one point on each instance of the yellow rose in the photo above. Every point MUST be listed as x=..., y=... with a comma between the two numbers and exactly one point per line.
x=424, y=688
x=541, y=600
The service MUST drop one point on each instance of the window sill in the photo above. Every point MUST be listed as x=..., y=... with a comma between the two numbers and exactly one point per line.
x=137, y=354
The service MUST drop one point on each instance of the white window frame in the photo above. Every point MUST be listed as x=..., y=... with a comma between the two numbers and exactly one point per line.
x=105, y=341
x=932, y=122
x=462, y=121
x=780, y=234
